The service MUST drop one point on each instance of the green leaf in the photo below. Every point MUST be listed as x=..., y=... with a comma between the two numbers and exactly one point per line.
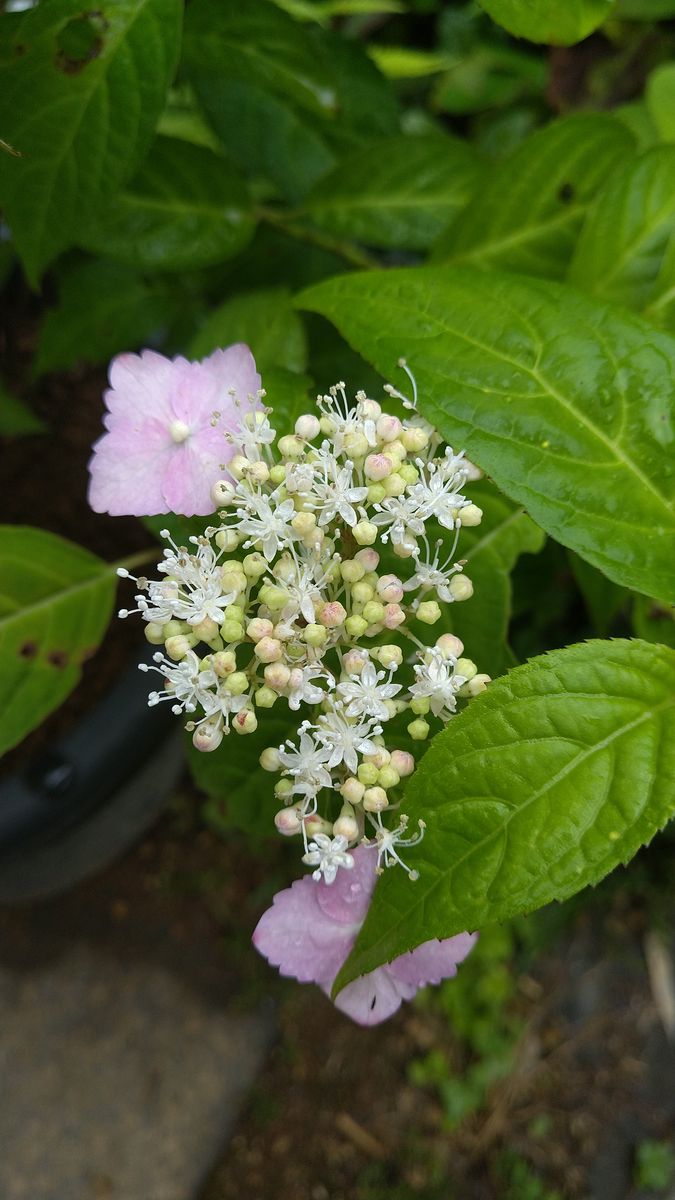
x=564, y=401
x=653, y=621
x=544, y=784
x=266, y=321
x=241, y=793
x=16, y=419
x=408, y=62
x=491, y=551
x=396, y=193
x=104, y=307
x=556, y=22
x=620, y=253
x=80, y=94
x=527, y=215
x=186, y=208
x=644, y=10
x=660, y=100
x=55, y=603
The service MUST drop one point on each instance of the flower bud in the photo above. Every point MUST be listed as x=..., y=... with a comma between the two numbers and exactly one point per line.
x=380, y=757
x=236, y=683
x=356, y=626
x=376, y=493
x=408, y=473
x=369, y=558
x=356, y=444
x=254, y=565
x=395, y=485
x=403, y=762
x=388, y=777
x=405, y=548
x=288, y=822
x=449, y=645
x=304, y=524
x=396, y=451
x=265, y=697
x=476, y=685
x=415, y=439
x=418, y=730
x=316, y=635
x=388, y=428
x=389, y=655
x=352, y=790
x=373, y=612
x=332, y=614
x=354, y=661
x=461, y=587
x=470, y=515
x=428, y=611
x=291, y=446
x=307, y=426
x=245, y=721
x=277, y=675
x=224, y=662
x=269, y=759
x=393, y=616
x=473, y=473
x=276, y=598
x=207, y=737
x=232, y=631
x=367, y=773
x=351, y=570
x=375, y=799
x=390, y=589
x=315, y=824
x=377, y=467
x=369, y=409
x=283, y=790
x=259, y=628
x=259, y=471
x=222, y=494
x=238, y=466
x=206, y=630
x=178, y=646
x=227, y=539
x=362, y=592
x=277, y=474
x=346, y=825
x=365, y=533
x=466, y=667
x=420, y=705
x=268, y=649
x=154, y=633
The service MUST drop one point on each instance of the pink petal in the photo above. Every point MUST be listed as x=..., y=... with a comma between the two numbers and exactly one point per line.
x=233, y=369
x=431, y=962
x=140, y=384
x=190, y=472
x=126, y=470
x=371, y=999
x=348, y=898
x=296, y=936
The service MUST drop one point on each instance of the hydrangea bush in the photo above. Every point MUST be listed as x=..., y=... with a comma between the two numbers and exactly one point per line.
x=235, y=226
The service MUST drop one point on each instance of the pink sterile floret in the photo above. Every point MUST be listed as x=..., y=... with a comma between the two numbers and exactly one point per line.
x=164, y=447
x=311, y=927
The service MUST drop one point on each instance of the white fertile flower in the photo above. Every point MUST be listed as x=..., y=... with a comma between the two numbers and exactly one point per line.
x=431, y=573
x=301, y=690
x=306, y=764
x=436, y=681
x=334, y=493
x=387, y=841
x=192, y=592
x=188, y=686
x=365, y=694
x=327, y=855
x=266, y=519
x=345, y=739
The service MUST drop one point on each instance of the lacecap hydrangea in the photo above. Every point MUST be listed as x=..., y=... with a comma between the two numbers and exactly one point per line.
x=321, y=586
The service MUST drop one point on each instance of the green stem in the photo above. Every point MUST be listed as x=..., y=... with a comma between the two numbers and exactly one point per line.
x=304, y=233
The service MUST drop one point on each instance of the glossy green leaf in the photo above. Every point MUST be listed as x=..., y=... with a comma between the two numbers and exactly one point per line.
x=16, y=419
x=80, y=94
x=55, y=603
x=527, y=215
x=266, y=321
x=660, y=100
x=103, y=308
x=544, y=784
x=628, y=230
x=565, y=402
x=186, y=208
x=556, y=22
x=396, y=193
x=491, y=551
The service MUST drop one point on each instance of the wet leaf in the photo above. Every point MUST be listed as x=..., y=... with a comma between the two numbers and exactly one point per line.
x=560, y=24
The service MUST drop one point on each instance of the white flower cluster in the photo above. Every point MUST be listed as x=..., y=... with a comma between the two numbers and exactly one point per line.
x=288, y=600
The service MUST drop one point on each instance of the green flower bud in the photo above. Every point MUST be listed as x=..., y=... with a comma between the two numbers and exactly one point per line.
x=265, y=697
x=418, y=730
x=237, y=683
x=420, y=705
x=429, y=612
x=367, y=774
x=355, y=626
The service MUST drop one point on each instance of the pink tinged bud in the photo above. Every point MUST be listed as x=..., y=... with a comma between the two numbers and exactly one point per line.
x=307, y=426
x=245, y=721
x=450, y=646
x=377, y=466
x=332, y=615
x=368, y=558
x=354, y=661
x=277, y=675
x=379, y=759
x=403, y=762
x=375, y=799
x=288, y=822
x=268, y=650
x=207, y=737
x=390, y=589
x=388, y=428
x=260, y=628
x=315, y=824
x=393, y=616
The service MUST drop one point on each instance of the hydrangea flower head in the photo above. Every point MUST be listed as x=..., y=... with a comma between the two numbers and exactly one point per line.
x=164, y=445
x=311, y=927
